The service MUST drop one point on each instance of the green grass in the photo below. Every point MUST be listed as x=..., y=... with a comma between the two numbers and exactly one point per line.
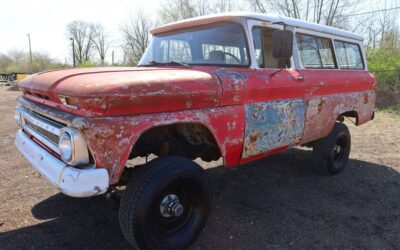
x=393, y=110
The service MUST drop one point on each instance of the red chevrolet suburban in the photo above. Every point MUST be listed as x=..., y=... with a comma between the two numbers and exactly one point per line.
x=236, y=86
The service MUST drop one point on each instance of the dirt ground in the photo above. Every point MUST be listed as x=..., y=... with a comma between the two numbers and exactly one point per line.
x=273, y=203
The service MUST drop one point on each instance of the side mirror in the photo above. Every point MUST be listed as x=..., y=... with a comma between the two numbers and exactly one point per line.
x=282, y=44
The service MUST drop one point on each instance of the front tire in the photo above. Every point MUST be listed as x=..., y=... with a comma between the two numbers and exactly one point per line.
x=166, y=204
x=331, y=153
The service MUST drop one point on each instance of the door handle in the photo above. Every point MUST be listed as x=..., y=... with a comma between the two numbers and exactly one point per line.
x=299, y=77
x=322, y=83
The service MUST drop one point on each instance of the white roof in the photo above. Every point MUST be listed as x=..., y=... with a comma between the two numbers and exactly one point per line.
x=232, y=16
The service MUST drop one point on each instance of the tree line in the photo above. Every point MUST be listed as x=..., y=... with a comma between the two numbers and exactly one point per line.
x=17, y=61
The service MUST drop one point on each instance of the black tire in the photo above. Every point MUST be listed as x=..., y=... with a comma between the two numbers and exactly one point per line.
x=331, y=153
x=141, y=220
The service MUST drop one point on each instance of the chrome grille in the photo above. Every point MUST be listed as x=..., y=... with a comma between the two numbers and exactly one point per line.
x=48, y=135
x=42, y=128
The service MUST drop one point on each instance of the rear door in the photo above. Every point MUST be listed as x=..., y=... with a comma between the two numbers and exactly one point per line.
x=319, y=68
x=329, y=78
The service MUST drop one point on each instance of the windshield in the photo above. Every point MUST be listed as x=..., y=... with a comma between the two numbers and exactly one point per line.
x=217, y=44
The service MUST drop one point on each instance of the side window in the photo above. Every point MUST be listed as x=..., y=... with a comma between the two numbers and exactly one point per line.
x=349, y=55
x=316, y=52
x=308, y=51
x=262, y=40
x=325, y=50
x=257, y=40
x=175, y=50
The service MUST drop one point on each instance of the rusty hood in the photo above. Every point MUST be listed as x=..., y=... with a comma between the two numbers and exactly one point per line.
x=126, y=91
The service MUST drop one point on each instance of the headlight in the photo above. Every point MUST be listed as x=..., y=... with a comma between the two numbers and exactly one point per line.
x=65, y=146
x=17, y=117
x=72, y=147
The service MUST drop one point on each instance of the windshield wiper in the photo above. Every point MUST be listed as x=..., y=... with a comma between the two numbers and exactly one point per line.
x=155, y=63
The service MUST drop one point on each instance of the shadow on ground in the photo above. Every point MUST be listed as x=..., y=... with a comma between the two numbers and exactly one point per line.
x=273, y=203
x=13, y=88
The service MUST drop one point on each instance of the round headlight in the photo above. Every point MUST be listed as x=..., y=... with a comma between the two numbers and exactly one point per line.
x=65, y=146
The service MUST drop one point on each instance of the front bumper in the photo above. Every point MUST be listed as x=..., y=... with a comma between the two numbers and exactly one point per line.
x=71, y=181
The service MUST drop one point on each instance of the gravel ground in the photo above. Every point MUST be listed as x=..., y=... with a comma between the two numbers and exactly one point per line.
x=273, y=203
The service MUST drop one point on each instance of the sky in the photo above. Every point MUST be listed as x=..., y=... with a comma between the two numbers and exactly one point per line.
x=46, y=20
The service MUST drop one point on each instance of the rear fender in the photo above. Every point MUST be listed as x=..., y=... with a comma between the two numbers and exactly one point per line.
x=323, y=111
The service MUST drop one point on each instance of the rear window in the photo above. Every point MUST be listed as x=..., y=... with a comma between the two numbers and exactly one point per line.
x=316, y=52
x=349, y=55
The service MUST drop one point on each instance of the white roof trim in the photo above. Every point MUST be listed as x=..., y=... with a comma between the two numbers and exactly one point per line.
x=236, y=16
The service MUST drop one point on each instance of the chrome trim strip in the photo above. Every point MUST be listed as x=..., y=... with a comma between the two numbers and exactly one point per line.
x=41, y=122
x=44, y=111
x=42, y=139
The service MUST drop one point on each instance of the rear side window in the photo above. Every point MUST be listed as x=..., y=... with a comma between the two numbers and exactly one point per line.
x=316, y=52
x=349, y=55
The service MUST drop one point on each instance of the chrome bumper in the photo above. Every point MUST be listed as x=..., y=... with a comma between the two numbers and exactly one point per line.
x=71, y=181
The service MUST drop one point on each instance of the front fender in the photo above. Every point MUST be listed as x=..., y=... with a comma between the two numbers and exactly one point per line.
x=111, y=139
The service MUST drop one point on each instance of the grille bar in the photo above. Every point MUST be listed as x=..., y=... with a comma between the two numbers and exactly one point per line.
x=44, y=129
x=50, y=136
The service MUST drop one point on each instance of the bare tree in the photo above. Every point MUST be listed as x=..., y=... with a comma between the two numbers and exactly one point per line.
x=43, y=61
x=219, y=6
x=5, y=61
x=101, y=41
x=82, y=33
x=174, y=10
x=17, y=61
x=136, y=36
x=380, y=27
x=328, y=12
x=388, y=26
x=202, y=7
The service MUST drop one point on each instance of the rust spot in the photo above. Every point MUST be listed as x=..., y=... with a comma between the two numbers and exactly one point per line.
x=319, y=122
x=321, y=103
x=254, y=135
x=366, y=99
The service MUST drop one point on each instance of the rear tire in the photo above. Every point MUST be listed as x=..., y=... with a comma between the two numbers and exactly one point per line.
x=166, y=204
x=331, y=153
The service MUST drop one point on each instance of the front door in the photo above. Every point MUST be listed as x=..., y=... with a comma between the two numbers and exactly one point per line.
x=275, y=104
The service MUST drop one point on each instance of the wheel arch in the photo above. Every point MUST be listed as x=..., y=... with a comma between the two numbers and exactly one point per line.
x=350, y=113
x=195, y=133
x=138, y=141
x=340, y=118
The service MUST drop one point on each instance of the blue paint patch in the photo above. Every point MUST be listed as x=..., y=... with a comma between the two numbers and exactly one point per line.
x=271, y=125
x=231, y=74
